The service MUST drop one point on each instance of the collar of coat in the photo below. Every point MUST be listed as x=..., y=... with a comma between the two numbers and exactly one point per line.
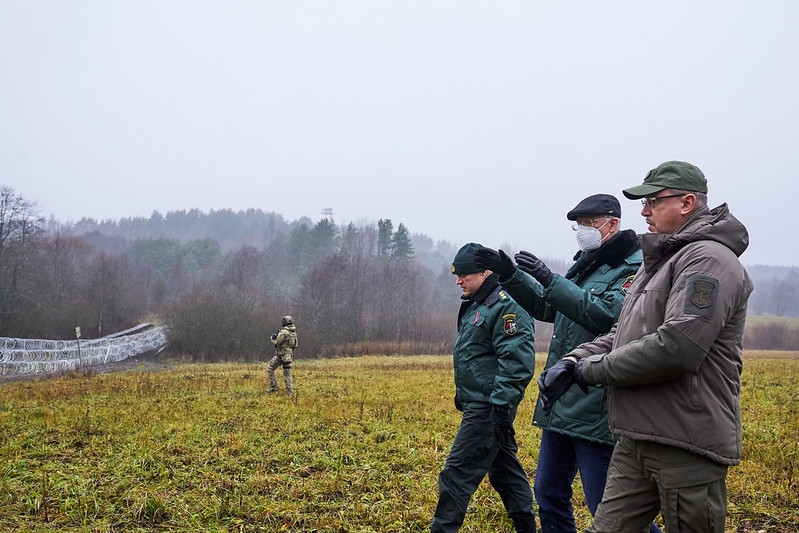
x=613, y=253
x=488, y=292
x=716, y=224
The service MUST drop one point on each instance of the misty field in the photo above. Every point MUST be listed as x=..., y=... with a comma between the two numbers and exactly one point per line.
x=357, y=449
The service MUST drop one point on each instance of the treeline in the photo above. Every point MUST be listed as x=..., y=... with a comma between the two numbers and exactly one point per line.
x=354, y=289
x=776, y=291
x=222, y=280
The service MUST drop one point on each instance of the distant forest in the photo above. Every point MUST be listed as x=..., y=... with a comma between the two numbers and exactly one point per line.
x=221, y=281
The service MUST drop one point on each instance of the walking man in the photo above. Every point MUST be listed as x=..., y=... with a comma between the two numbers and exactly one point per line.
x=582, y=304
x=493, y=361
x=672, y=362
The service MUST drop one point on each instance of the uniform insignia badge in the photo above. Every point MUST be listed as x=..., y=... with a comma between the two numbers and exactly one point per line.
x=701, y=293
x=627, y=283
x=511, y=327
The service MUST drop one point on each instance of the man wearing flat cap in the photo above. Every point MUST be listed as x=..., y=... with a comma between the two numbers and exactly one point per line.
x=582, y=304
x=672, y=363
x=493, y=360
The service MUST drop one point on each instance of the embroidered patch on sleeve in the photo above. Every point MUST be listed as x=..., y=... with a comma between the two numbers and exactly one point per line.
x=511, y=327
x=627, y=283
x=700, y=297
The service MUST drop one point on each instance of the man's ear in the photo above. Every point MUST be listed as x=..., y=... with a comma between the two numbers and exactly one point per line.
x=688, y=203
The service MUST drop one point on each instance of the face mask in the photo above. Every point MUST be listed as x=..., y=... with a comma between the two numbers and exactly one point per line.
x=589, y=238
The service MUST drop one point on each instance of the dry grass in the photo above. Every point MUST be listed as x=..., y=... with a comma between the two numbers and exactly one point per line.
x=358, y=449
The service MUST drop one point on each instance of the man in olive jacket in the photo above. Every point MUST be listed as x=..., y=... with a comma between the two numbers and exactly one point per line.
x=673, y=362
x=582, y=304
x=494, y=360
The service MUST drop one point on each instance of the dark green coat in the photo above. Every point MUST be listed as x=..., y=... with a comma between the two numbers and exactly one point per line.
x=582, y=305
x=494, y=356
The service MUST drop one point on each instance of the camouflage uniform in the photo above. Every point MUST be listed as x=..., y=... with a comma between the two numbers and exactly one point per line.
x=285, y=343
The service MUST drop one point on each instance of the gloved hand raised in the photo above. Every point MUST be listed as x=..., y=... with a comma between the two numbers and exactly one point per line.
x=535, y=267
x=487, y=259
x=556, y=380
x=503, y=428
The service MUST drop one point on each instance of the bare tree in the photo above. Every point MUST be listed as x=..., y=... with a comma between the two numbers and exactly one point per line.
x=20, y=228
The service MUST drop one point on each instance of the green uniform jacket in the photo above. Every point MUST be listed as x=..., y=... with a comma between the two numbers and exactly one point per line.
x=582, y=305
x=494, y=357
x=673, y=360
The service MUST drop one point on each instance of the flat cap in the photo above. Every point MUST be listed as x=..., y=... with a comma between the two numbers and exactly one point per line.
x=596, y=205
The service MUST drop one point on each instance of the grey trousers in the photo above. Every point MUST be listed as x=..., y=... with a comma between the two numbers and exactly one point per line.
x=645, y=478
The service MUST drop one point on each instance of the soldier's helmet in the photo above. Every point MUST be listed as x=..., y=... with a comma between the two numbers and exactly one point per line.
x=287, y=320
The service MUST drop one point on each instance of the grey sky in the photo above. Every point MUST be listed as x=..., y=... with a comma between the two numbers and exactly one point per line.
x=482, y=121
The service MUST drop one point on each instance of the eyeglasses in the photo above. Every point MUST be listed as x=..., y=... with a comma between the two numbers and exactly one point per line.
x=651, y=200
x=589, y=222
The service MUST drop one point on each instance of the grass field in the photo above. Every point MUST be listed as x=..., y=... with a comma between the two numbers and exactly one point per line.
x=357, y=449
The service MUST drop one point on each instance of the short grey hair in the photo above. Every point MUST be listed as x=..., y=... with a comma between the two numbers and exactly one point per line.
x=701, y=197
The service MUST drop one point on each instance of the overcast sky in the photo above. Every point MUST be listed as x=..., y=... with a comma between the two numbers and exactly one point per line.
x=465, y=121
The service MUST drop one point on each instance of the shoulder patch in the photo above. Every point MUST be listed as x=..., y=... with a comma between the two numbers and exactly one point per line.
x=700, y=297
x=627, y=283
x=503, y=296
x=511, y=326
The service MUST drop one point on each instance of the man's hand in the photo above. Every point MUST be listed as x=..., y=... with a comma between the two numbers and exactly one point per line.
x=503, y=429
x=488, y=259
x=535, y=267
x=555, y=381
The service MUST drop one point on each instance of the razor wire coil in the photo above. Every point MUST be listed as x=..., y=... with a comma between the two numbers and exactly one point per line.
x=39, y=356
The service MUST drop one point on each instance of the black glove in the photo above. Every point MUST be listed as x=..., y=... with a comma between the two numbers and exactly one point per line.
x=458, y=404
x=556, y=380
x=274, y=336
x=535, y=267
x=503, y=429
x=488, y=259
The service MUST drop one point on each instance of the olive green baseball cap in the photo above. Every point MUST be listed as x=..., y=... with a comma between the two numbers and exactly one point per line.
x=669, y=175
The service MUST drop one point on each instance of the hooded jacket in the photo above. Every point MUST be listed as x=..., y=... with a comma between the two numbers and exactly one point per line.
x=673, y=360
x=582, y=304
x=494, y=355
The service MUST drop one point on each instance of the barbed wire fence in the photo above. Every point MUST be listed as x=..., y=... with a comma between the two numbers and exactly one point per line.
x=39, y=356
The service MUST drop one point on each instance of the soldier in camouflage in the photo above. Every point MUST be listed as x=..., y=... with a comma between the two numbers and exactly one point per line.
x=285, y=342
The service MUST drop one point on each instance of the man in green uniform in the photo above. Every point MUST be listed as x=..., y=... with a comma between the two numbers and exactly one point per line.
x=493, y=361
x=583, y=303
x=673, y=362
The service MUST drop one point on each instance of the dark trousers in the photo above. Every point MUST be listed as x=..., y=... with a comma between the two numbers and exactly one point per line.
x=475, y=453
x=560, y=457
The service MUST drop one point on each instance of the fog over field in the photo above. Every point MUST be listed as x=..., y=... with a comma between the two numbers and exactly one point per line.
x=466, y=122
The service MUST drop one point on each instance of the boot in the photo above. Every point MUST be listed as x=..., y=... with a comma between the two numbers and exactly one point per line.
x=524, y=523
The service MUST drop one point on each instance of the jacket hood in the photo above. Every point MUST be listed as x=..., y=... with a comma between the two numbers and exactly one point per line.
x=706, y=224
